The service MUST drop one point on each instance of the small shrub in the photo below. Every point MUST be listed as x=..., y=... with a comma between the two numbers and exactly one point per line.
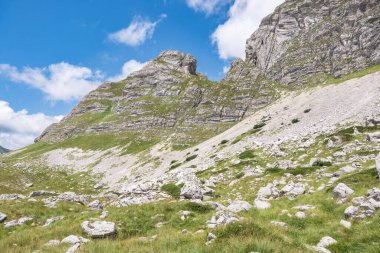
x=173, y=161
x=321, y=163
x=189, y=158
x=259, y=125
x=223, y=142
x=172, y=189
x=176, y=165
x=307, y=110
x=199, y=208
x=296, y=120
x=246, y=155
x=239, y=175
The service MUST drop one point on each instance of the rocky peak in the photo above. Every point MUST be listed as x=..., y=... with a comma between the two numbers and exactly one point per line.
x=306, y=41
x=181, y=61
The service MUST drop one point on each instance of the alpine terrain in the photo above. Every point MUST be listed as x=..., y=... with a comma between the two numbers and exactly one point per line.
x=282, y=155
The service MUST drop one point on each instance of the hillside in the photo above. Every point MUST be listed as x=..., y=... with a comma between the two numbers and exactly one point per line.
x=282, y=155
x=3, y=150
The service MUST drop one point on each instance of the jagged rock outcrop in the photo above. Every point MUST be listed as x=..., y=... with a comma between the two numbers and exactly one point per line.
x=164, y=97
x=307, y=41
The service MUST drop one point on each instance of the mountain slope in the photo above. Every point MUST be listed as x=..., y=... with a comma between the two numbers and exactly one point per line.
x=3, y=150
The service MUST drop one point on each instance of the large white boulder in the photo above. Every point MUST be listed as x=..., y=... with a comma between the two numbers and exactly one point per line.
x=342, y=191
x=99, y=229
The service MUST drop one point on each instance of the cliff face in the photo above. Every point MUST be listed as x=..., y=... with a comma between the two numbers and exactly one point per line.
x=166, y=97
x=306, y=41
x=3, y=150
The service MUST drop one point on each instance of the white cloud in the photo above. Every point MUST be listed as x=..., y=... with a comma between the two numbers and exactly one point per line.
x=207, y=6
x=128, y=68
x=244, y=18
x=18, y=129
x=61, y=81
x=136, y=33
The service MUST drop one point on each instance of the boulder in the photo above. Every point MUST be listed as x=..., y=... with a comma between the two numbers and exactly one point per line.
x=210, y=238
x=238, y=206
x=342, y=191
x=73, y=248
x=372, y=121
x=279, y=223
x=351, y=211
x=99, y=229
x=374, y=194
x=345, y=224
x=192, y=188
x=326, y=241
x=261, y=204
x=378, y=164
x=95, y=205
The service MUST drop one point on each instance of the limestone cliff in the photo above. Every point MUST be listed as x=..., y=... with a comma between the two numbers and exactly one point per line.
x=308, y=41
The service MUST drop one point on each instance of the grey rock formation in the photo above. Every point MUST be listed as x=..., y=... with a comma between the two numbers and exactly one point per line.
x=239, y=206
x=306, y=40
x=18, y=222
x=342, y=191
x=3, y=216
x=378, y=164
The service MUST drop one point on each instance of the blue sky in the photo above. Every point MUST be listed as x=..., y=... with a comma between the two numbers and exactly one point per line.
x=53, y=52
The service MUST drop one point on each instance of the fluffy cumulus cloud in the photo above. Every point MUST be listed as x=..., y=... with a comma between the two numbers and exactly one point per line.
x=207, y=6
x=128, y=68
x=60, y=82
x=18, y=129
x=137, y=32
x=244, y=18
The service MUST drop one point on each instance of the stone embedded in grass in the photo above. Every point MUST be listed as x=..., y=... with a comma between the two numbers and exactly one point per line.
x=300, y=215
x=220, y=218
x=11, y=196
x=238, y=206
x=3, y=216
x=279, y=223
x=261, y=204
x=18, y=222
x=210, y=238
x=73, y=239
x=304, y=207
x=326, y=241
x=378, y=164
x=99, y=229
x=52, y=220
x=41, y=193
x=53, y=242
x=96, y=204
x=342, y=191
x=73, y=248
x=351, y=211
x=345, y=224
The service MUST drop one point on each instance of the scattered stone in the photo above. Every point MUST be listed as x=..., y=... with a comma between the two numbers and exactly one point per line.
x=374, y=137
x=304, y=207
x=73, y=248
x=3, y=217
x=184, y=214
x=210, y=238
x=192, y=188
x=358, y=200
x=18, y=222
x=103, y=215
x=344, y=170
x=300, y=215
x=351, y=211
x=279, y=223
x=261, y=204
x=342, y=191
x=238, y=206
x=220, y=218
x=29, y=185
x=53, y=242
x=52, y=220
x=73, y=239
x=378, y=164
x=200, y=231
x=95, y=205
x=99, y=229
x=345, y=224
x=11, y=196
x=326, y=241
